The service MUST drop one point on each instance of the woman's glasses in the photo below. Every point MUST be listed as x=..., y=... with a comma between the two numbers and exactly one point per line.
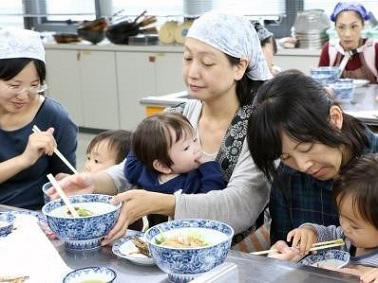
x=33, y=89
x=18, y=89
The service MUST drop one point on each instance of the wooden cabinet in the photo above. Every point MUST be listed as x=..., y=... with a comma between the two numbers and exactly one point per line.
x=85, y=82
x=141, y=74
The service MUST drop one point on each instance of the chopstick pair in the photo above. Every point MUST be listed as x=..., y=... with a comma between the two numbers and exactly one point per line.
x=316, y=246
x=62, y=195
x=58, y=153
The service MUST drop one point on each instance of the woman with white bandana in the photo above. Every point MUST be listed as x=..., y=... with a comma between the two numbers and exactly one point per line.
x=26, y=157
x=268, y=45
x=223, y=66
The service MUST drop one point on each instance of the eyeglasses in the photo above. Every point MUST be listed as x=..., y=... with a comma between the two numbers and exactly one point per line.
x=17, y=89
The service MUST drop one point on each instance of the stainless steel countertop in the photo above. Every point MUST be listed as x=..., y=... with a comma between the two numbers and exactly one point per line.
x=251, y=268
x=364, y=106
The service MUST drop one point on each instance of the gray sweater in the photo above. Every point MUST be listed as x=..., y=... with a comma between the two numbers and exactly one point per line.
x=238, y=205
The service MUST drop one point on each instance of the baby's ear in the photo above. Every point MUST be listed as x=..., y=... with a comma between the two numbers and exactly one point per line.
x=161, y=167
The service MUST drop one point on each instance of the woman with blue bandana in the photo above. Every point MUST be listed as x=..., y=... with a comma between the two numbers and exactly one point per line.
x=223, y=66
x=356, y=57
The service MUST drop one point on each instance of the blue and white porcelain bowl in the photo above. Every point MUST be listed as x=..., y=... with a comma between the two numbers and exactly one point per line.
x=91, y=274
x=327, y=259
x=183, y=264
x=82, y=233
x=325, y=75
x=343, y=90
x=6, y=223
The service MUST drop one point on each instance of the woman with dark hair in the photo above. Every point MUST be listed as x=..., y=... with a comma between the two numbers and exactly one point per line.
x=223, y=66
x=357, y=57
x=26, y=157
x=297, y=122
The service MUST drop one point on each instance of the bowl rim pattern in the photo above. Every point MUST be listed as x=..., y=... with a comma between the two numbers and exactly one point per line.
x=77, y=272
x=324, y=255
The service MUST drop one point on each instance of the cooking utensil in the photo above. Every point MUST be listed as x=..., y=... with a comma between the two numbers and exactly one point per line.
x=316, y=246
x=62, y=195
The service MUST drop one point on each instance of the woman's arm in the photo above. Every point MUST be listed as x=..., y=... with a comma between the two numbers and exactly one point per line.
x=239, y=204
x=86, y=183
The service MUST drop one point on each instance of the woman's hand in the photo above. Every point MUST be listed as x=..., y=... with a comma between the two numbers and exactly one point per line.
x=136, y=204
x=39, y=144
x=280, y=250
x=303, y=238
x=82, y=183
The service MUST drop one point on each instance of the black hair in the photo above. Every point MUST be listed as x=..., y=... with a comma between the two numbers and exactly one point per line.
x=360, y=181
x=9, y=68
x=296, y=104
x=245, y=88
x=272, y=40
x=118, y=140
x=152, y=139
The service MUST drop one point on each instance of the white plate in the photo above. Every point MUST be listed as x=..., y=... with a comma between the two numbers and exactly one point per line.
x=124, y=246
x=360, y=83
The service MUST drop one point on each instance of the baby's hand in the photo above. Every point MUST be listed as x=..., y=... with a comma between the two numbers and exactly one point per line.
x=303, y=238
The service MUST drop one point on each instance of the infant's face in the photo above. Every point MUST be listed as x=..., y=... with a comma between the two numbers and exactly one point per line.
x=100, y=158
x=186, y=154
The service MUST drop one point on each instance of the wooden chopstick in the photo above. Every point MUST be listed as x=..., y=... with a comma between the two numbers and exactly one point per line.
x=62, y=195
x=316, y=246
x=58, y=153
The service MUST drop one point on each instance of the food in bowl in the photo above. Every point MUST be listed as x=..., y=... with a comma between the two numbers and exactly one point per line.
x=189, y=238
x=184, y=262
x=86, y=232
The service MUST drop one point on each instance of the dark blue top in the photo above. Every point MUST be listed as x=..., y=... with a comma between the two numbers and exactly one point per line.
x=24, y=189
x=206, y=178
x=304, y=199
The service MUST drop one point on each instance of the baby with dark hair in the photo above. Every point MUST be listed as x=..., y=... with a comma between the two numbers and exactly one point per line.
x=166, y=157
x=107, y=149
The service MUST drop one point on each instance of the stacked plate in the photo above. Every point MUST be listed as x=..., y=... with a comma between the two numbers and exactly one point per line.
x=310, y=28
x=311, y=39
x=195, y=8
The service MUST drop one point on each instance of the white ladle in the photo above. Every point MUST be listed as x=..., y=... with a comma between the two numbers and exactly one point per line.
x=62, y=195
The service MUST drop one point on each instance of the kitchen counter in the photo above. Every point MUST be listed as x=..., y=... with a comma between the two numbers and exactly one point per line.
x=364, y=105
x=107, y=46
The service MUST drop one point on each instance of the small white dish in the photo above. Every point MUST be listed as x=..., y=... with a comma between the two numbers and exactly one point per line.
x=360, y=83
x=91, y=274
x=124, y=246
